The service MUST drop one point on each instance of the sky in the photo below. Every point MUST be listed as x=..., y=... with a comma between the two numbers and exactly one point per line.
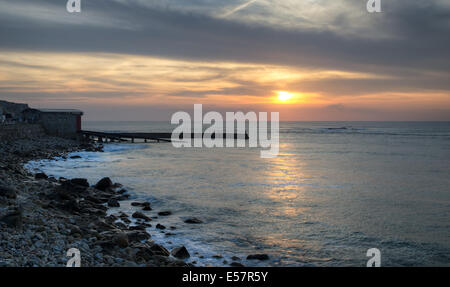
x=144, y=59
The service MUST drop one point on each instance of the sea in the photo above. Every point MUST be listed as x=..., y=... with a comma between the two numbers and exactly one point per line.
x=335, y=190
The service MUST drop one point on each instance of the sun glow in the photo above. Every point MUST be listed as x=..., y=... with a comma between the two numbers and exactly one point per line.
x=284, y=96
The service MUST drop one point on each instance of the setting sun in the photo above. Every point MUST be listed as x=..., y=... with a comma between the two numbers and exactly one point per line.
x=284, y=96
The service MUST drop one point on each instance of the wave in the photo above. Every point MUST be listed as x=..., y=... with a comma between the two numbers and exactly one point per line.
x=123, y=147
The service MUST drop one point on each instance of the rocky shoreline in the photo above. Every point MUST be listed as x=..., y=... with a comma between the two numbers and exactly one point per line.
x=41, y=217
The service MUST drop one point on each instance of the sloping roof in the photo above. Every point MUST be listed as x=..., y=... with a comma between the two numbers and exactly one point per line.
x=70, y=111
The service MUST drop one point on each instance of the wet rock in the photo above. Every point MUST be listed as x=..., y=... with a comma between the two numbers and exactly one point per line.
x=181, y=253
x=164, y=213
x=236, y=264
x=217, y=256
x=95, y=199
x=40, y=175
x=126, y=220
x=235, y=258
x=111, y=218
x=120, y=225
x=75, y=157
x=258, y=257
x=140, y=215
x=146, y=208
x=75, y=230
x=80, y=181
x=137, y=227
x=160, y=226
x=121, y=239
x=71, y=205
x=117, y=185
x=94, y=211
x=122, y=197
x=101, y=225
x=144, y=253
x=193, y=220
x=159, y=250
x=143, y=204
x=104, y=184
x=72, y=188
x=138, y=235
x=113, y=203
x=13, y=219
x=8, y=192
x=112, y=239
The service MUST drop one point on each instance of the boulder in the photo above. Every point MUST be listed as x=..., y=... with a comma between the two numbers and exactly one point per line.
x=71, y=205
x=160, y=226
x=113, y=203
x=8, y=192
x=193, y=220
x=40, y=175
x=102, y=225
x=144, y=252
x=120, y=225
x=72, y=187
x=258, y=257
x=104, y=183
x=94, y=211
x=13, y=219
x=95, y=199
x=137, y=227
x=159, y=250
x=138, y=235
x=114, y=238
x=236, y=264
x=181, y=253
x=80, y=181
x=140, y=215
x=143, y=204
x=164, y=213
x=122, y=197
x=121, y=239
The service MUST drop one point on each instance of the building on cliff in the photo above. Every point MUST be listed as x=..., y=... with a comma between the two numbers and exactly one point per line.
x=11, y=112
x=57, y=122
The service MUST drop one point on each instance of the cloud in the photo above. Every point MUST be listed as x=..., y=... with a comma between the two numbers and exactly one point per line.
x=238, y=8
x=178, y=34
x=296, y=43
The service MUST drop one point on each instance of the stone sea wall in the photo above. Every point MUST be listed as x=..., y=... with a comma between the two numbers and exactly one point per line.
x=10, y=132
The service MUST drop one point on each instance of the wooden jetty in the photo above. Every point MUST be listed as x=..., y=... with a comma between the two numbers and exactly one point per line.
x=155, y=137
